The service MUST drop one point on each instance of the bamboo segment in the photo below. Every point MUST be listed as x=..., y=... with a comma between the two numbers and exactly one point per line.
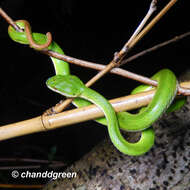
x=91, y=112
x=43, y=123
x=21, y=128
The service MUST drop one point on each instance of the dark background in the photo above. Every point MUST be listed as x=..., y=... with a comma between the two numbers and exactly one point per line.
x=87, y=30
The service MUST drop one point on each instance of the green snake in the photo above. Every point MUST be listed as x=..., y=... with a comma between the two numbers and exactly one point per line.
x=71, y=86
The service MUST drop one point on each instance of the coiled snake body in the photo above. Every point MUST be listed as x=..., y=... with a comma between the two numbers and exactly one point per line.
x=71, y=86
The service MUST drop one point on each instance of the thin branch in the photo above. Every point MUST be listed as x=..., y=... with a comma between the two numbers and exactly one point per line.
x=152, y=23
x=9, y=20
x=20, y=167
x=29, y=160
x=156, y=47
x=51, y=164
x=120, y=71
x=21, y=186
x=132, y=43
x=151, y=10
x=30, y=166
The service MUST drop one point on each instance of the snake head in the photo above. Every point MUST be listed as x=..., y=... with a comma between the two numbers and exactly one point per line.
x=17, y=36
x=67, y=85
x=35, y=40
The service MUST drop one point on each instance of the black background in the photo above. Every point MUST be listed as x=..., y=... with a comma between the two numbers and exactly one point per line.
x=87, y=30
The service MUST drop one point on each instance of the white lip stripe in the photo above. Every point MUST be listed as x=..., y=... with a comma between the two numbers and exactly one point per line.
x=59, y=92
x=56, y=90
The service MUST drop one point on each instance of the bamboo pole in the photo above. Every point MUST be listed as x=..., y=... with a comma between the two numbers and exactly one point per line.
x=22, y=128
x=44, y=123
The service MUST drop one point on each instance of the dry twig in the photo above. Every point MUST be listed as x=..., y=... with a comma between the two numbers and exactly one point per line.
x=20, y=186
x=123, y=72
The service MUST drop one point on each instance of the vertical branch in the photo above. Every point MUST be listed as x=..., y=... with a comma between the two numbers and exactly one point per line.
x=151, y=9
x=152, y=23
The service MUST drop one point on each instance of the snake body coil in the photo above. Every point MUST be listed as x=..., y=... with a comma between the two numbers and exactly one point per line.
x=72, y=86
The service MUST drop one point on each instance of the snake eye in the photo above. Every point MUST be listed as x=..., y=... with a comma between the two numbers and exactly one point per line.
x=22, y=28
x=21, y=25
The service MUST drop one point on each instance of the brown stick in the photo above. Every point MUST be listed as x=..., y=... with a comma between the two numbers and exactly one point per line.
x=120, y=71
x=20, y=186
x=156, y=47
x=151, y=10
x=152, y=23
x=126, y=47
x=43, y=123
x=10, y=20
